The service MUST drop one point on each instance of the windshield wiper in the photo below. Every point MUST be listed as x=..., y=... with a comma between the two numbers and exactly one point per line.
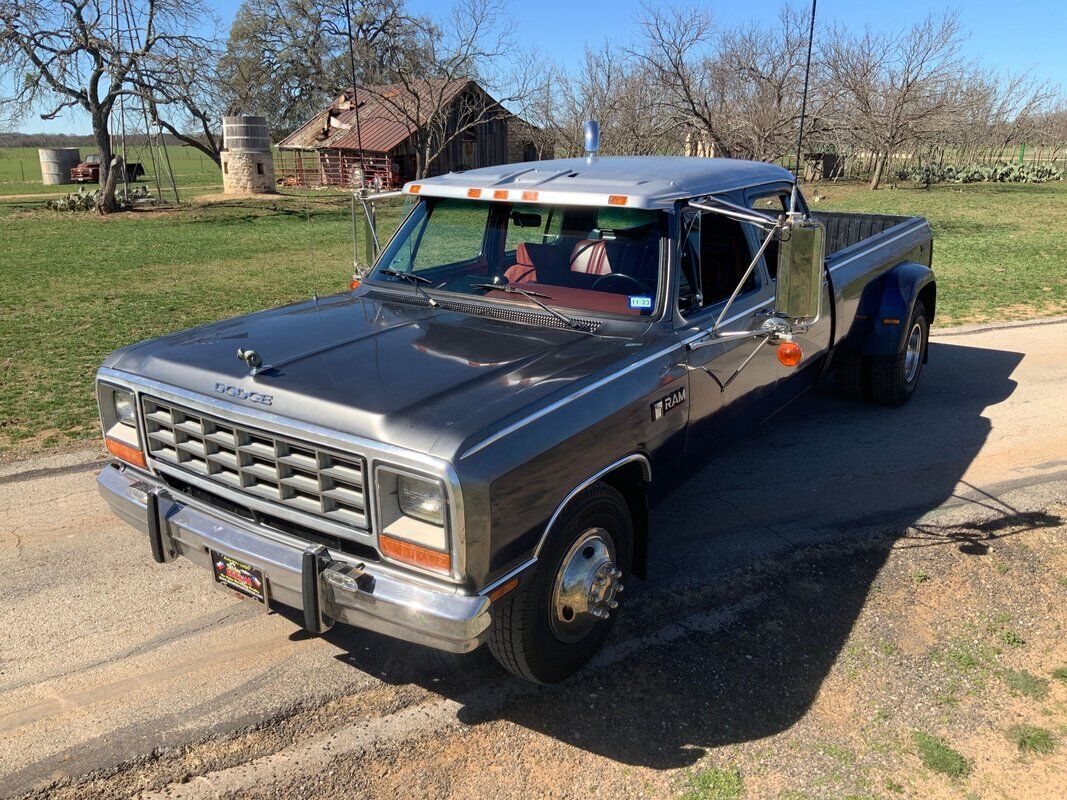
x=509, y=288
x=415, y=280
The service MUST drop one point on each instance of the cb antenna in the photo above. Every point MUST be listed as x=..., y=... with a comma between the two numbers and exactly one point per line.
x=803, y=111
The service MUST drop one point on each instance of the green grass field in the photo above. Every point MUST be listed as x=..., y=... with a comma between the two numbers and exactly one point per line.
x=20, y=170
x=75, y=286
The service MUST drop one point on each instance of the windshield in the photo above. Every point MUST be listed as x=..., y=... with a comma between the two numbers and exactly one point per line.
x=600, y=260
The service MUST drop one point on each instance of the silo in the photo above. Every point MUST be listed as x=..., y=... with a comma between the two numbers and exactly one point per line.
x=247, y=161
x=56, y=164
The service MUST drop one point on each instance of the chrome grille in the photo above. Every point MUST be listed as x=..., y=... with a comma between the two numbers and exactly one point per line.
x=294, y=474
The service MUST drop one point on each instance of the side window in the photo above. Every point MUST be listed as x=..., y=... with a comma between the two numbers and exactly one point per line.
x=714, y=256
x=775, y=204
x=689, y=296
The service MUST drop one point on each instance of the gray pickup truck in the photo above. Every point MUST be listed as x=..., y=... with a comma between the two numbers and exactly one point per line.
x=465, y=447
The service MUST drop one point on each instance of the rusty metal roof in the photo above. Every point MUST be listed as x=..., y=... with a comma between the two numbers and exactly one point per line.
x=381, y=125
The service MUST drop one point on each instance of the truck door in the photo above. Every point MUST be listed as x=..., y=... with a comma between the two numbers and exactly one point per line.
x=731, y=381
x=815, y=342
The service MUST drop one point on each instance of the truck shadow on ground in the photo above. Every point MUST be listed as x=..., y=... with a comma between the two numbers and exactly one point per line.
x=757, y=576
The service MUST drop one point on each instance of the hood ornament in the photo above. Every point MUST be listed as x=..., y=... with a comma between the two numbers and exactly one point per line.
x=250, y=357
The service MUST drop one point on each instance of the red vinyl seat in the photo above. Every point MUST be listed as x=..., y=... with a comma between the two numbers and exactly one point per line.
x=591, y=257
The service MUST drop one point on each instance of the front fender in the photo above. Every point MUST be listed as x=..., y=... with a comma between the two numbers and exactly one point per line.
x=901, y=287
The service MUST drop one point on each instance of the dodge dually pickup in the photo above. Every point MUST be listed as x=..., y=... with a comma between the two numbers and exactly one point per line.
x=464, y=447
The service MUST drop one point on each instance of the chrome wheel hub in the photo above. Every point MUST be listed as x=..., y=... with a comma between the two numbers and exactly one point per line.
x=586, y=586
x=914, y=355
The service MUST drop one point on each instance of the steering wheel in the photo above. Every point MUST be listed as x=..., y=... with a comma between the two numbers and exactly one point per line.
x=622, y=280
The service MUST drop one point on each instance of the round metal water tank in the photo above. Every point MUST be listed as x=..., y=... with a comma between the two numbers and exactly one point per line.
x=246, y=133
x=56, y=164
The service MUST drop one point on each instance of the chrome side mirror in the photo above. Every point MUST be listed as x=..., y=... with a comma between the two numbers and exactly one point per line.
x=800, y=269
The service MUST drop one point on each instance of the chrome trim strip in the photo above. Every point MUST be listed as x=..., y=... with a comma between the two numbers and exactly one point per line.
x=508, y=576
x=374, y=452
x=507, y=431
x=914, y=226
x=587, y=483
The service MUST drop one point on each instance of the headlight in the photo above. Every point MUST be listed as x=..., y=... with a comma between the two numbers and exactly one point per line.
x=421, y=499
x=413, y=520
x=124, y=409
x=118, y=418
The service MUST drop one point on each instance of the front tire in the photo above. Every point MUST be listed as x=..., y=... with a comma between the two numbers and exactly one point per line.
x=556, y=620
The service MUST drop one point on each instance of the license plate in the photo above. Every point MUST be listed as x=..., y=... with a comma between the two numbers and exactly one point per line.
x=239, y=576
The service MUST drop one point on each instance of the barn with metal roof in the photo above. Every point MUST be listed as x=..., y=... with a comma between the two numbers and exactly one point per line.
x=381, y=128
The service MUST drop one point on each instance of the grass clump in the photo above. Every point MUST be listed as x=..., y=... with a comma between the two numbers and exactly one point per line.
x=936, y=755
x=1026, y=683
x=715, y=783
x=1060, y=674
x=1032, y=739
x=1012, y=639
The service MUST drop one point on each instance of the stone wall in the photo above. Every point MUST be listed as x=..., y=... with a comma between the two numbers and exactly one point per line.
x=247, y=172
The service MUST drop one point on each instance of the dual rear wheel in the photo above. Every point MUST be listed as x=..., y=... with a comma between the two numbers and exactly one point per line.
x=890, y=380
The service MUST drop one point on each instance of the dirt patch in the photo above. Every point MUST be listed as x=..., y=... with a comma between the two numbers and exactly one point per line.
x=940, y=626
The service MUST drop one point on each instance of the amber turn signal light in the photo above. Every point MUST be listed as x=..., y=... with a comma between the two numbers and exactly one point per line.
x=503, y=589
x=409, y=553
x=128, y=453
x=353, y=284
x=789, y=353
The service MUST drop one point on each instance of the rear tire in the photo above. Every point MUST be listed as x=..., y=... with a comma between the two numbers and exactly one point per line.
x=550, y=626
x=892, y=379
x=851, y=378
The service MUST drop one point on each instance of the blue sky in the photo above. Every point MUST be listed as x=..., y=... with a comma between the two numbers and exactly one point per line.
x=1028, y=34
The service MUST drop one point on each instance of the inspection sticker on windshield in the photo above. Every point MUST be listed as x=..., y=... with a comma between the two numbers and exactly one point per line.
x=640, y=301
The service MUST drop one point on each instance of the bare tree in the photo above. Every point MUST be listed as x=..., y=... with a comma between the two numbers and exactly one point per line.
x=84, y=54
x=435, y=89
x=184, y=96
x=678, y=47
x=287, y=58
x=763, y=84
x=894, y=87
x=617, y=90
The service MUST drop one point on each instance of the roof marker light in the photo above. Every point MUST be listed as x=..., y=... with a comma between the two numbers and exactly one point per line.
x=617, y=199
x=530, y=196
x=500, y=194
x=474, y=193
x=415, y=188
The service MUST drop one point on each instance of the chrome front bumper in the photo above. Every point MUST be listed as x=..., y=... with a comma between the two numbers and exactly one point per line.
x=383, y=602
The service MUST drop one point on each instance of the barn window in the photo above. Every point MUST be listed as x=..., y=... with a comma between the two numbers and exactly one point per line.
x=259, y=167
x=225, y=167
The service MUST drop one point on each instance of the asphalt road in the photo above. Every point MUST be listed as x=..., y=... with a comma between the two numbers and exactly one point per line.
x=107, y=659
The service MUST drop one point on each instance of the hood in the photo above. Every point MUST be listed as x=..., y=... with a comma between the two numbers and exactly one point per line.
x=422, y=378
